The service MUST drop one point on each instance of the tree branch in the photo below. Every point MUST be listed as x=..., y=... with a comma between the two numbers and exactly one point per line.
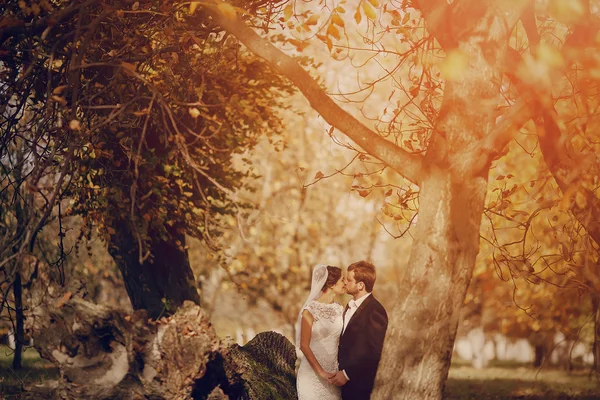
x=403, y=162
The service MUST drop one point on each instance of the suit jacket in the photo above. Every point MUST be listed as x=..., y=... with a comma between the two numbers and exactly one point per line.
x=360, y=348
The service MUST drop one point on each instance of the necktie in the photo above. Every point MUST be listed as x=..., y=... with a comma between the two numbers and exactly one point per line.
x=351, y=305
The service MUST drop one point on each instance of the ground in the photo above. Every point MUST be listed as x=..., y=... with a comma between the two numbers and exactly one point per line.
x=517, y=381
x=500, y=381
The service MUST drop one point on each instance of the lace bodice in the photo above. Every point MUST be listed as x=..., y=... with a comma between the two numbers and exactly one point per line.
x=324, y=310
x=325, y=337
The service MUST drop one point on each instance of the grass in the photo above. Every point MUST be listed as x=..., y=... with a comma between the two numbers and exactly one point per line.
x=499, y=381
x=514, y=381
x=34, y=370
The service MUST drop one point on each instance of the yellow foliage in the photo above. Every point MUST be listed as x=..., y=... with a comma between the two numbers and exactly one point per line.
x=75, y=125
x=312, y=20
x=566, y=11
x=333, y=31
x=194, y=112
x=549, y=55
x=357, y=16
x=454, y=65
x=369, y=11
x=337, y=20
x=288, y=11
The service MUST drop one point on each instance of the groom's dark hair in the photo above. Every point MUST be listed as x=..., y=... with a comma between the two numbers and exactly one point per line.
x=364, y=272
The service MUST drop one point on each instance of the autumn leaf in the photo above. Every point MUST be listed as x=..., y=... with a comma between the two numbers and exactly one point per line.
x=363, y=193
x=333, y=31
x=312, y=20
x=357, y=16
x=61, y=302
x=319, y=175
x=75, y=125
x=405, y=18
x=300, y=45
x=337, y=20
x=388, y=193
x=288, y=12
x=194, y=112
x=369, y=11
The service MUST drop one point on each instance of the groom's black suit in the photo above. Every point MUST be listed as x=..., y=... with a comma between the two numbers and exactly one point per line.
x=360, y=348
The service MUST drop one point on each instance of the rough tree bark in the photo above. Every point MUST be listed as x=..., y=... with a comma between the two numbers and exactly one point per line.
x=103, y=353
x=160, y=285
x=453, y=182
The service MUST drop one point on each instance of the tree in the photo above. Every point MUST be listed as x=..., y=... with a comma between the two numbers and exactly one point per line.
x=300, y=219
x=143, y=108
x=470, y=126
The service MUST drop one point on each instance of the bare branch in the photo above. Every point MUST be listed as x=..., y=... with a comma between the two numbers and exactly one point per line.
x=406, y=164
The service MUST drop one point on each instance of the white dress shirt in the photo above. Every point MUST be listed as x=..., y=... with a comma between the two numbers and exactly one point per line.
x=352, y=307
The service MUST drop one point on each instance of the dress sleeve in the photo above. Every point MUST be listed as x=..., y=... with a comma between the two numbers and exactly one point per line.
x=313, y=309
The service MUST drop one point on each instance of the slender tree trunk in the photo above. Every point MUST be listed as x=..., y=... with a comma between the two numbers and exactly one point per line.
x=540, y=355
x=19, y=332
x=160, y=285
x=596, y=344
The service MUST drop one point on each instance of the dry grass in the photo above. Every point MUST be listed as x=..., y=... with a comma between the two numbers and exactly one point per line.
x=506, y=381
x=35, y=370
x=500, y=381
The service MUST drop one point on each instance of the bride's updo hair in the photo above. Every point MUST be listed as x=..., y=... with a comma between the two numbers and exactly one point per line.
x=333, y=275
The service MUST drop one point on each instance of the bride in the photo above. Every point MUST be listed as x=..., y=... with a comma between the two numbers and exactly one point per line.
x=318, y=334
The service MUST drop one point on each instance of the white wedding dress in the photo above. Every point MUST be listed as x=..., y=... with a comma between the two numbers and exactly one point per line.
x=325, y=337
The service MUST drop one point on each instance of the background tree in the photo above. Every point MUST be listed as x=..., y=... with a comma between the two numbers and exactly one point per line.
x=148, y=111
x=462, y=139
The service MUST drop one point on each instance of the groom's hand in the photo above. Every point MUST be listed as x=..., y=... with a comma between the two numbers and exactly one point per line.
x=339, y=379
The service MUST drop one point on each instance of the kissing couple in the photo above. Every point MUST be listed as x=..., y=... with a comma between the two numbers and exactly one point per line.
x=341, y=346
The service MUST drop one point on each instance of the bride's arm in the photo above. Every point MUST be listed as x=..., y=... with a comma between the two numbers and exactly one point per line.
x=305, y=335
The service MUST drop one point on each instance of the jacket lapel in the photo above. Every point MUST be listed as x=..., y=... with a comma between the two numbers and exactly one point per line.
x=358, y=311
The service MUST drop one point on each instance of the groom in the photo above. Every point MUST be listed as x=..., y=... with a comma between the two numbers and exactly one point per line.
x=365, y=323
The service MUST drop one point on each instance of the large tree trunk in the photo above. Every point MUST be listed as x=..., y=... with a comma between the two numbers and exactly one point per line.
x=159, y=285
x=423, y=323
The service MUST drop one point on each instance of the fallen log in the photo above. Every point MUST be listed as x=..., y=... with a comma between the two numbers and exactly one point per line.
x=103, y=353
